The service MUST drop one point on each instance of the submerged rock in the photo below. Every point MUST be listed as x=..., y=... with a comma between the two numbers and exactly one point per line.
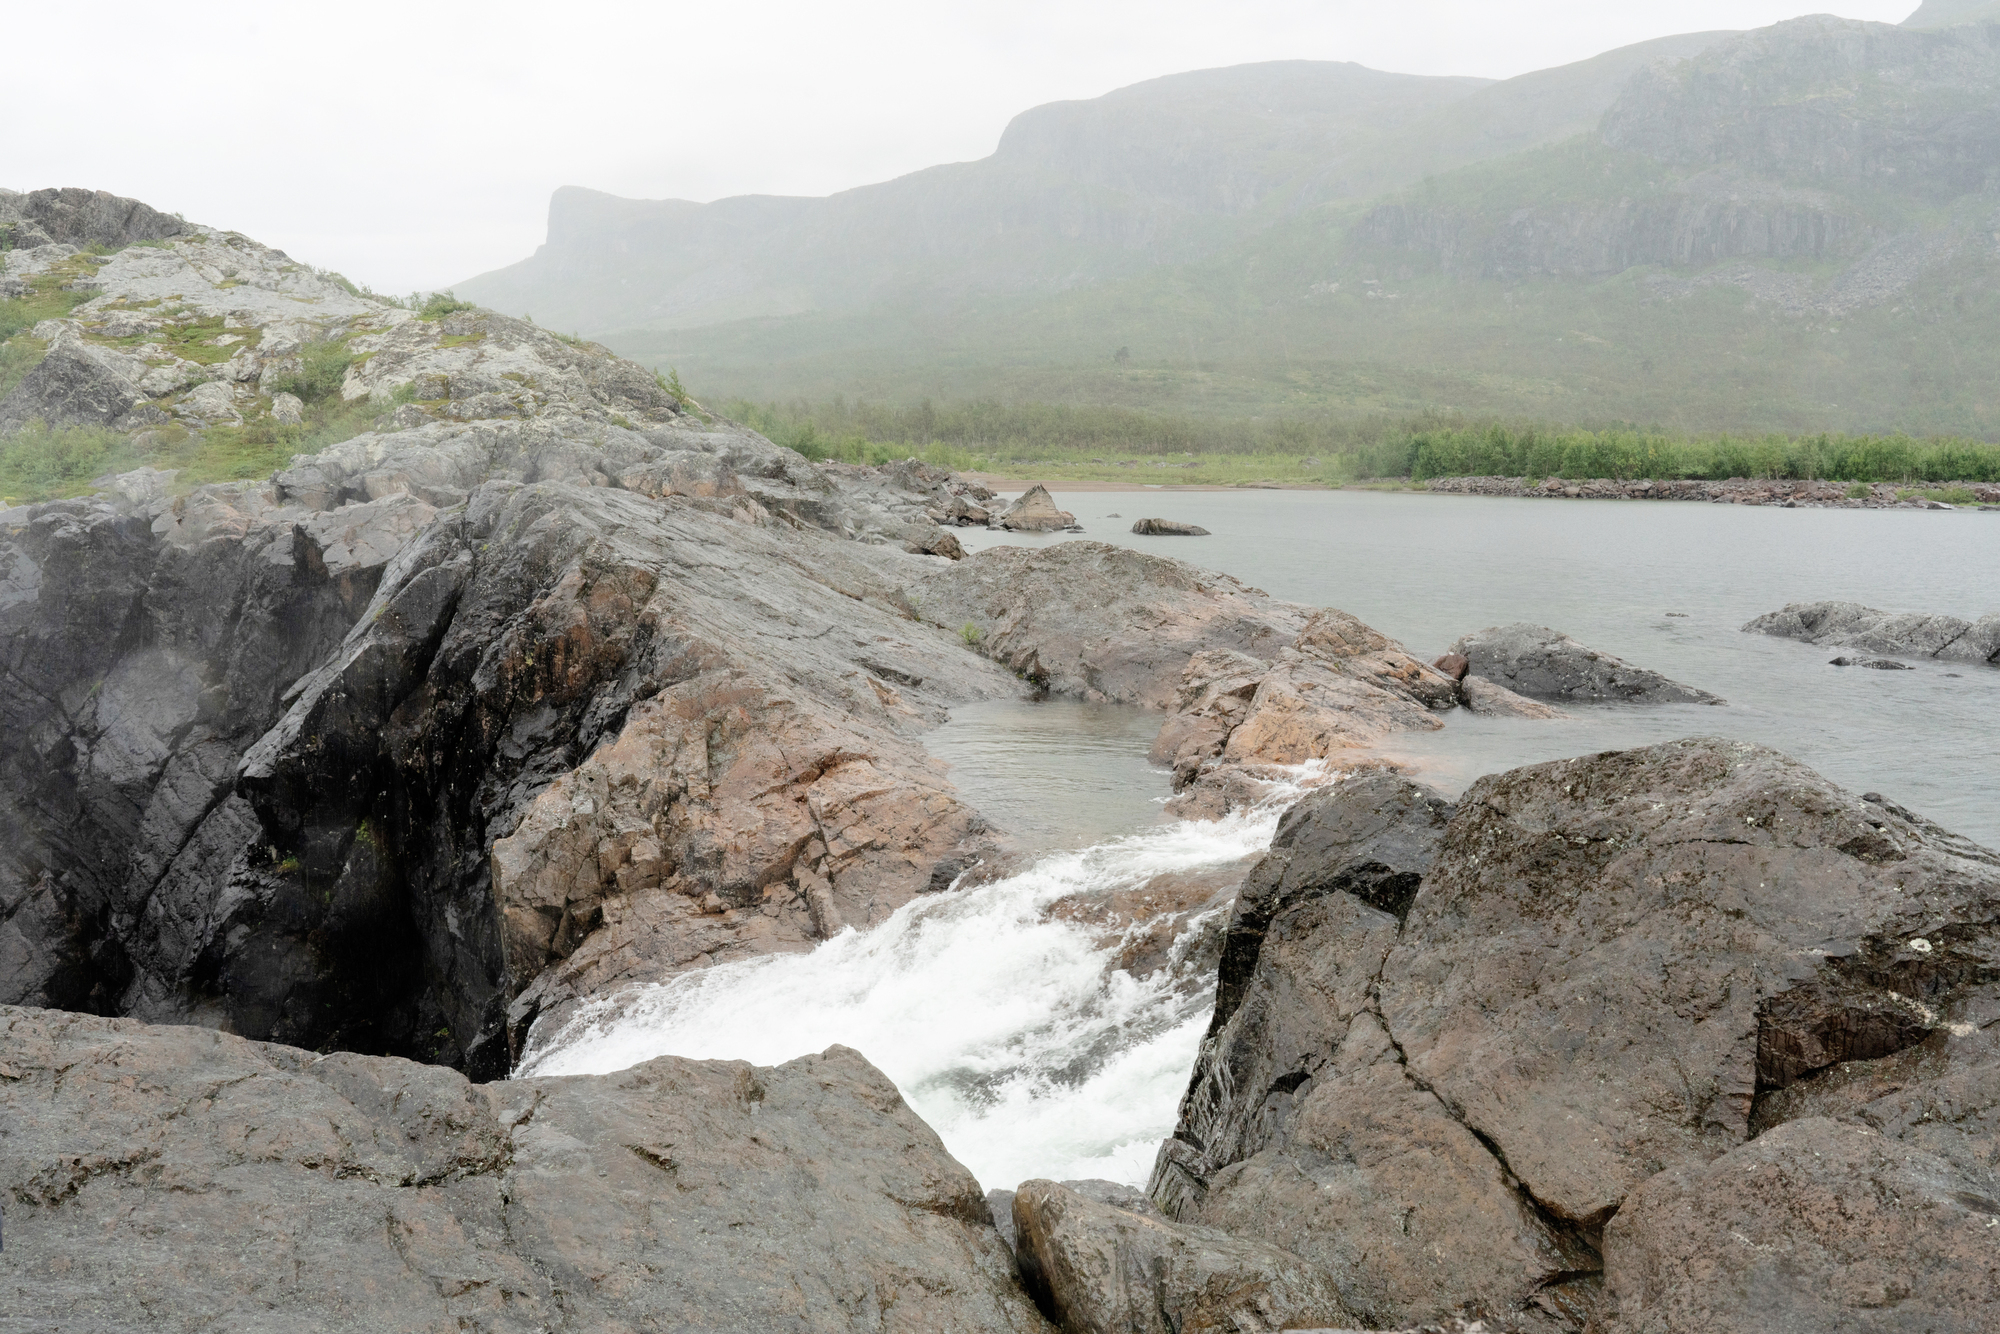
x=1910, y=635
x=1613, y=967
x=253, y=1184
x=1879, y=664
x=1167, y=528
x=1108, y=1267
x=1546, y=664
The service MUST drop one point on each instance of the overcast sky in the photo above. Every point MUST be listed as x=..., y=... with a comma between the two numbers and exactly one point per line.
x=411, y=144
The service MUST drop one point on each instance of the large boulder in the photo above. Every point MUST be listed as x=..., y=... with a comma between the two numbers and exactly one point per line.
x=1905, y=634
x=1035, y=512
x=1613, y=967
x=1546, y=664
x=75, y=384
x=251, y=1185
x=1098, y=1268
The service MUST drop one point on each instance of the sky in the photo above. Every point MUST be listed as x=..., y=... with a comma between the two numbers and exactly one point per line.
x=409, y=145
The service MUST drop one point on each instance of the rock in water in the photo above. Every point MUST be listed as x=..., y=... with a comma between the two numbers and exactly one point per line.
x=1098, y=1268
x=1167, y=528
x=261, y=1184
x=1541, y=663
x=1036, y=512
x=1909, y=635
x=1483, y=697
x=1614, y=968
x=1879, y=664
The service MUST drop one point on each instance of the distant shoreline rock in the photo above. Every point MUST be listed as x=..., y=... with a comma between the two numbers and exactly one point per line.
x=1735, y=491
x=1907, y=635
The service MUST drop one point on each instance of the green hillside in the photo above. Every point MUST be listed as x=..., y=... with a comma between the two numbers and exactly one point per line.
x=1793, y=231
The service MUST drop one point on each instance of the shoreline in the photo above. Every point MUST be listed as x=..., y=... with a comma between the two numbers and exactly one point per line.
x=1735, y=491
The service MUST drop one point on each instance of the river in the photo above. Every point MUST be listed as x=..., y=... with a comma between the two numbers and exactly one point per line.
x=1011, y=1028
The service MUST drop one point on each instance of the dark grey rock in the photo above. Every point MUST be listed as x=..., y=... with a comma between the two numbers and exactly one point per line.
x=265, y=1186
x=73, y=385
x=94, y=217
x=1546, y=664
x=1879, y=664
x=1168, y=528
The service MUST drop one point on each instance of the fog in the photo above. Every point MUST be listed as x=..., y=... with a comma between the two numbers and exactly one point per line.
x=409, y=146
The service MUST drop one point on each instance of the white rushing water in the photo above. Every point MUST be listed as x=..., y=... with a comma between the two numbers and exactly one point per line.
x=1012, y=1033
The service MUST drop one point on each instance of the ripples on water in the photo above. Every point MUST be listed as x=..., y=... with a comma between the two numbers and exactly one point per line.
x=1016, y=1033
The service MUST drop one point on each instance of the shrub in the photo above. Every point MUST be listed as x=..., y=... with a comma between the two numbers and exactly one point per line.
x=322, y=369
x=440, y=304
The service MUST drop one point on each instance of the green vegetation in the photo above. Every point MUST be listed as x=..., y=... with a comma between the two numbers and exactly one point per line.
x=322, y=368
x=438, y=305
x=971, y=634
x=1062, y=441
x=42, y=462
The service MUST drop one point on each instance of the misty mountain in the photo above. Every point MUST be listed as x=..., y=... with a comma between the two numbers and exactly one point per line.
x=1796, y=228
x=1162, y=172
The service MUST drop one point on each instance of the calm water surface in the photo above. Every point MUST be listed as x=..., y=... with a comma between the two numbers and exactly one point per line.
x=1427, y=569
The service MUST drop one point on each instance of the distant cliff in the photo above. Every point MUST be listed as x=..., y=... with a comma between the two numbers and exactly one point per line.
x=1076, y=193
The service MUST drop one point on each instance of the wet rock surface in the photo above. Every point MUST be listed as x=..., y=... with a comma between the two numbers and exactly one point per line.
x=1545, y=664
x=1168, y=528
x=1096, y=1265
x=247, y=1184
x=1613, y=975
x=1903, y=634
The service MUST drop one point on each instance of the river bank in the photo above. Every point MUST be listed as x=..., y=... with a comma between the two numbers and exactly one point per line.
x=1735, y=491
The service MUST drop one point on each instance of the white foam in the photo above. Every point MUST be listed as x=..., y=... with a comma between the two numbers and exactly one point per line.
x=1010, y=1033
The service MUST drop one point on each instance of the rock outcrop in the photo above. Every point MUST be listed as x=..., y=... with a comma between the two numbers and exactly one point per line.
x=1099, y=621
x=1339, y=687
x=77, y=217
x=353, y=755
x=251, y=1184
x=1168, y=528
x=1615, y=976
x=1102, y=1269
x=1546, y=664
x=1904, y=634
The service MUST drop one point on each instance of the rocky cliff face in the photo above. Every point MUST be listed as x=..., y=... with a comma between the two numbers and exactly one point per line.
x=1808, y=140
